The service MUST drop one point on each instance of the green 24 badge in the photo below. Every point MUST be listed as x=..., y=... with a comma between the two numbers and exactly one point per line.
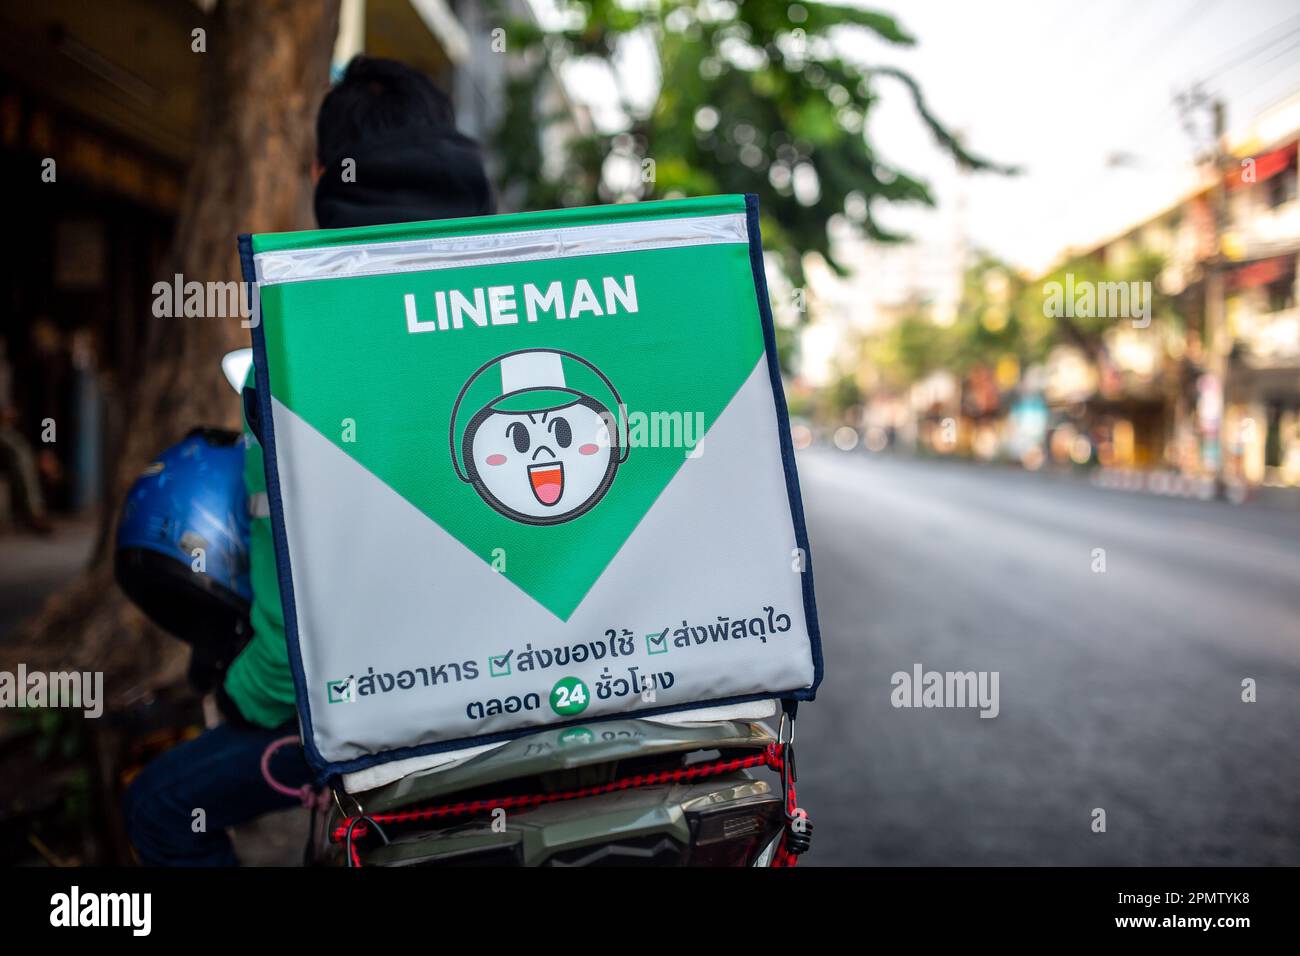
x=569, y=696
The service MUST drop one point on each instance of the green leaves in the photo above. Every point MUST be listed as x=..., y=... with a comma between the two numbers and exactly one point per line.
x=789, y=113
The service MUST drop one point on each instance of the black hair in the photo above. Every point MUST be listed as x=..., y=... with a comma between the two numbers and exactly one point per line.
x=387, y=141
x=374, y=99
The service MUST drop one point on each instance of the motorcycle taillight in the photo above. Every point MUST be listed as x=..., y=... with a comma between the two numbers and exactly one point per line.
x=733, y=834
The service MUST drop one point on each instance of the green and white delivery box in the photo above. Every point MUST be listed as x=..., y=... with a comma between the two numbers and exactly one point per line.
x=528, y=470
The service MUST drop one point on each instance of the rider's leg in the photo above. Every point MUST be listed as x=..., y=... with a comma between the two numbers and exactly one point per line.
x=218, y=773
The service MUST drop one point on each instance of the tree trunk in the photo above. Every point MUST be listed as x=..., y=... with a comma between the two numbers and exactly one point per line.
x=267, y=66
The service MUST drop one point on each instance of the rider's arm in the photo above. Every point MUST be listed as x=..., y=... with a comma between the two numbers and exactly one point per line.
x=259, y=681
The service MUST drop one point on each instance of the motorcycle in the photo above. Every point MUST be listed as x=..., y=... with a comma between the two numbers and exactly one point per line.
x=622, y=792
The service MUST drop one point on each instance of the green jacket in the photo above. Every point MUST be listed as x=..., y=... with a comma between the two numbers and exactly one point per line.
x=259, y=681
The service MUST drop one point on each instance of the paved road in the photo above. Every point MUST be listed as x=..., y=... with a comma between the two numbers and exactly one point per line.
x=1119, y=690
x=33, y=567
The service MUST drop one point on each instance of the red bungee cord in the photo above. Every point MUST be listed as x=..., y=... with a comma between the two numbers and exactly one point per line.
x=794, y=840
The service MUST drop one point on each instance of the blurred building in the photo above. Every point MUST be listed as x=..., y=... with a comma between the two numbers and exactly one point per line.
x=1134, y=401
x=112, y=93
x=1201, y=378
x=1218, y=390
x=1260, y=248
x=884, y=281
x=102, y=100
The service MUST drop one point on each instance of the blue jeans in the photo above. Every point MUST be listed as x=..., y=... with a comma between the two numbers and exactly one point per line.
x=220, y=773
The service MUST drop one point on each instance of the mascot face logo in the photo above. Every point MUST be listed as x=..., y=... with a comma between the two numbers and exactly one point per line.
x=535, y=433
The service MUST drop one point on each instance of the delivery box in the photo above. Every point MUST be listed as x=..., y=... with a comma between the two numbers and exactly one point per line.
x=528, y=470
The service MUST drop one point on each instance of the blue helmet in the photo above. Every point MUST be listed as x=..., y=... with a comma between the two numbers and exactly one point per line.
x=182, y=539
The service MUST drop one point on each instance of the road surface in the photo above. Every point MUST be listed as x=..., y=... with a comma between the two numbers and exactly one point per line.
x=32, y=567
x=1118, y=690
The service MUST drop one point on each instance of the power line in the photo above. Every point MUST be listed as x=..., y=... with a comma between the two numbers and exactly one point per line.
x=1270, y=37
x=1283, y=51
x=1269, y=93
x=1156, y=122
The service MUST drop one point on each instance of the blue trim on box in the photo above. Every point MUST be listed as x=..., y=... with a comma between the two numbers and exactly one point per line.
x=327, y=771
x=283, y=571
x=787, y=447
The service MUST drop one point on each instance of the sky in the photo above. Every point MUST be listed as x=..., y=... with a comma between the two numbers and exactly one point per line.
x=1060, y=90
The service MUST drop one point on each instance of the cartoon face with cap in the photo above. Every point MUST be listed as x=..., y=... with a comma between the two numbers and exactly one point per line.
x=543, y=445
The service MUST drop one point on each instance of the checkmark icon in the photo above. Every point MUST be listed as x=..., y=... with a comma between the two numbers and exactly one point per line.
x=657, y=643
x=341, y=691
x=499, y=664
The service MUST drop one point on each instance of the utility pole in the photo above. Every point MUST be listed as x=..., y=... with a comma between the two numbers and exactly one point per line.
x=1213, y=388
x=1216, y=290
